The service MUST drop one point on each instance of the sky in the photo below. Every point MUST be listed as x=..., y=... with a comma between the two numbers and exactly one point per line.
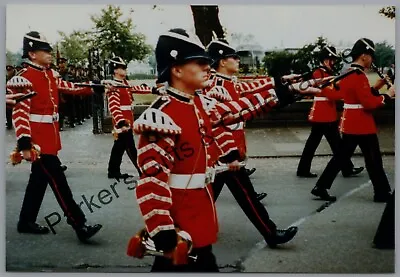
x=273, y=26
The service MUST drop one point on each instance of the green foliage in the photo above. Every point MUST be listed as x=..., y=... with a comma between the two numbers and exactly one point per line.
x=384, y=54
x=389, y=12
x=302, y=61
x=114, y=36
x=74, y=47
x=13, y=59
x=279, y=63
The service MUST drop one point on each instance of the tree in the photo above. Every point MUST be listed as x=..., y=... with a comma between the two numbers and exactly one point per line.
x=279, y=63
x=74, y=47
x=113, y=36
x=389, y=12
x=384, y=54
x=12, y=58
x=206, y=21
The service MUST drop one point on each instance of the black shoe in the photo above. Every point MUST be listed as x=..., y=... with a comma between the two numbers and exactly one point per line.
x=323, y=194
x=250, y=171
x=87, y=231
x=353, y=172
x=72, y=125
x=382, y=198
x=61, y=129
x=261, y=196
x=282, y=236
x=306, y=174
x=32, y=228
x=64, y=167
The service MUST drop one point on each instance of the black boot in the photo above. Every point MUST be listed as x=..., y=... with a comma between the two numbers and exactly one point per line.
x=250, y=171
x=282, y=236
x=354, y=171
x=63, y=167
x=323, y=194
x=261, y=196
x=85, y=232
x=32, y=228
x=306, y=174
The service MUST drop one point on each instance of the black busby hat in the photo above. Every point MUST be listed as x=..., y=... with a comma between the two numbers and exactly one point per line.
x=363, y=46
x=328, y=52
x=9, y=67
x=220, y=49
x=34, y=41
x=177, y=47
x=117, y=62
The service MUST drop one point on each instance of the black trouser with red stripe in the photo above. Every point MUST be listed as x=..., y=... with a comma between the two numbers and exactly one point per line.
x=242, y=189
x=205, y=262
x=125, y=142
x=318, y=130
x=47, y=170
x=369, y=146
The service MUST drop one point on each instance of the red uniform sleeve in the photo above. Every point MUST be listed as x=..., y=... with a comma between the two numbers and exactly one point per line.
x=20, y=117
x=244, y=109
x=329, y=92
x=363, y=91
x=244, y=88
x=114, y=105
x=226, y=143
x=156, y=160
x=141, y=89
x=66, y=87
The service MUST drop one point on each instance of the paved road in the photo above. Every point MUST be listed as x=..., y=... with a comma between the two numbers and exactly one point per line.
x=86, y=156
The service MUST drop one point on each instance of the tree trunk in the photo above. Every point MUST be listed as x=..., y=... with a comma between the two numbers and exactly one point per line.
x=206, y=21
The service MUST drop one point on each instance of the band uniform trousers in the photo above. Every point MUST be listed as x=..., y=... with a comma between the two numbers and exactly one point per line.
x=369, y=146
x=9, y=117
x=385, y=234
x=47, y=170
x=331, y=132
x=205, y=262
x=238, y=182
x=125, y=142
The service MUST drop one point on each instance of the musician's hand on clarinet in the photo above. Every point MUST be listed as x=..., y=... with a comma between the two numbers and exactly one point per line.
x=10, y=102
x=391, y=92
x=379, y=84
x=234, y=166
x=290, y=77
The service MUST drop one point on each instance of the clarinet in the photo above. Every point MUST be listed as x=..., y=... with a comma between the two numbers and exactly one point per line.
x=382, y=76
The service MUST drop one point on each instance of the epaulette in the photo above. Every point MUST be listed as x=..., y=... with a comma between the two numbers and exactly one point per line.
x=207, y=102
x=220, y=93
x=19, y=82
x=153, y=119
x=19, y=73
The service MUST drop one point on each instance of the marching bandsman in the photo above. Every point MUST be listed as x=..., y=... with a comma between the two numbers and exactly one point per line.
x=176, y=147
x=224, y=88
x=177, y=150
x=323, y=118
x=120, y=104
x=38, y=138
x=357, y=124
x=10, y=73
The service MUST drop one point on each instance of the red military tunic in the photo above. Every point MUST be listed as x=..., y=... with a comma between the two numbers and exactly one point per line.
x=120, y=102
x=324, y=108
x=359, y=102
x=36, y=119
x=176, y=152
x=233, y=90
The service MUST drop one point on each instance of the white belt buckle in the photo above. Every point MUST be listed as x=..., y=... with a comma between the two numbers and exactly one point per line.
x=55, y=117
x=210, y=175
